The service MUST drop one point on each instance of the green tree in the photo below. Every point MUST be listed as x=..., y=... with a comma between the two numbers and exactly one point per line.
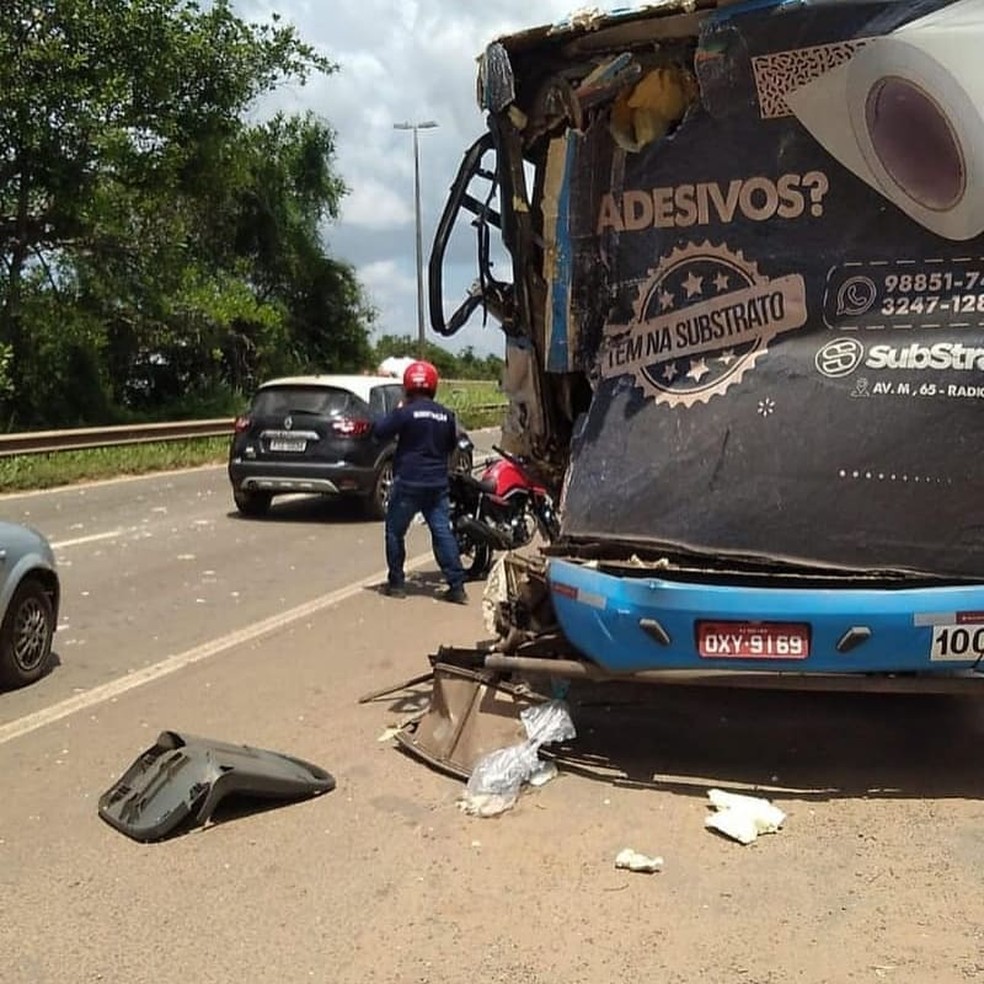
x=464, y=365
x=152, y=243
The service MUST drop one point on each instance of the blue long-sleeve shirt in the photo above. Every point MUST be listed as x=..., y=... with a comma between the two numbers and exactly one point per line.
x=426, y=434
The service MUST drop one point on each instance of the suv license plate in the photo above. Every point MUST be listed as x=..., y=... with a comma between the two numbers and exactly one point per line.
x=281, y=444
x=753, y=640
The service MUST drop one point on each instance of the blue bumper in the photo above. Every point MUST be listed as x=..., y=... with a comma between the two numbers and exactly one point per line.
x=625, y=624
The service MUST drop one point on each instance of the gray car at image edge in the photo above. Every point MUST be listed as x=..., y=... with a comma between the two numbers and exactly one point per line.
x=30, y=594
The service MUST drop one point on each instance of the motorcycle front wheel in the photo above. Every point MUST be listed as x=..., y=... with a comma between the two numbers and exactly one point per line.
x=476, y=557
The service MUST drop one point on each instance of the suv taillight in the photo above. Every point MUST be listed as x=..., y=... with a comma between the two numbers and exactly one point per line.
x=242, y=424
x=348, y=427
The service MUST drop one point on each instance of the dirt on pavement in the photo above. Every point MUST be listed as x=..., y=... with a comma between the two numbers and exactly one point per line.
x=878, y=874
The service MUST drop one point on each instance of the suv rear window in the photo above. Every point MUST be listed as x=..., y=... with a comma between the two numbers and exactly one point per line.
x=383, y=399
x=324, y=401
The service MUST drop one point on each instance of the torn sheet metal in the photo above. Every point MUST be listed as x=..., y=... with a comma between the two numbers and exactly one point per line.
x=608, y=79
x=471, y=714
x=516, y=603
x=524, y=416
x=182, y=778
x=590, y=21
x=645, y=113
x=557, y=253
x=496, y=83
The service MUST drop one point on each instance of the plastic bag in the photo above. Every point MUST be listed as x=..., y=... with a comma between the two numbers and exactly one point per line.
x=496, y=779
x=547, y=723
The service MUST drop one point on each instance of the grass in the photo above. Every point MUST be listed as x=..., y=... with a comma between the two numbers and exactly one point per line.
x=24, y=472
x=478, y=403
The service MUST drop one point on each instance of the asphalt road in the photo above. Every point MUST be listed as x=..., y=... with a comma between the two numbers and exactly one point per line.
x=161, y=569
x=875, y=876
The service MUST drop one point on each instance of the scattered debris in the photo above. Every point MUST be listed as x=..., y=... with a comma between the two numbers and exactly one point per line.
x=470, y=713
x=516, y=604
x=395, y=730
x=543, y=773
x=497, y=778
x=742, y=818
x=179, y=781
x=634, y=861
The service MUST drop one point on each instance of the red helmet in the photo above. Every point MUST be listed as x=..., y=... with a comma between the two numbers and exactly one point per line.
x=420, y=377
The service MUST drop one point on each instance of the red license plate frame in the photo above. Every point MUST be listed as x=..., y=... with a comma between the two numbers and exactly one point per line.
x=753, y=640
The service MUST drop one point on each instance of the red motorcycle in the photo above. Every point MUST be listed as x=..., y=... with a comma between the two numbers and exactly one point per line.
x=500, y=510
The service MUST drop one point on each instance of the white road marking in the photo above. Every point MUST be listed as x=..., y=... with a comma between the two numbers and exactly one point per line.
x=95, y=537
x=115, y=688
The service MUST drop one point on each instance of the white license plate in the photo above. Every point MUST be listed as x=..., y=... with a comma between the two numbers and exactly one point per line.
x=753, y=640
x=281, y=444
x=956, y=643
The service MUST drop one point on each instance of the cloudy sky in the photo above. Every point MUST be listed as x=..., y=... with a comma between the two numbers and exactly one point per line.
x=401, y=61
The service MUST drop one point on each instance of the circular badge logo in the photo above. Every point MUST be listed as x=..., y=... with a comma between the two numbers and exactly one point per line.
x=702, y=318
x=839, y=358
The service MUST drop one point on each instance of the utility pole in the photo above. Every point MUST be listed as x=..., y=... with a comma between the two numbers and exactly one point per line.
x=415, y=127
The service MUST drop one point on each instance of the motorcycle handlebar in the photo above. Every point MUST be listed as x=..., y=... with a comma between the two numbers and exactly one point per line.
x=505, y=454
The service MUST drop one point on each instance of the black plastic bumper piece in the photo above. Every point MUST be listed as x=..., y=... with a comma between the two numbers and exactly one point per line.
x=180, y=780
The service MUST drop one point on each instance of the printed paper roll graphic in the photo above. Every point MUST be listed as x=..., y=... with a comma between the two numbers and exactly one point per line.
x=906, y=114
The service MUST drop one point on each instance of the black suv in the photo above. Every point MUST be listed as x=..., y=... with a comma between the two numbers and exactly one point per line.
x=312, y=434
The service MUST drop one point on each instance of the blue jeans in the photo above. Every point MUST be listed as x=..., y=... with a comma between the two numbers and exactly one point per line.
x=405, y=502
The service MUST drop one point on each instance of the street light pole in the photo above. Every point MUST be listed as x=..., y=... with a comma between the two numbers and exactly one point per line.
x=415, y=127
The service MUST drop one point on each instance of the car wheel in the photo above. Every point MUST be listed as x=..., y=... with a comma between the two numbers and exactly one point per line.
x=251, y=503
x=381, y=491
x=26, y=634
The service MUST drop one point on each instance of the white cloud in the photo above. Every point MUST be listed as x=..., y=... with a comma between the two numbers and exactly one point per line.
x=399, y=60
x=372, y=205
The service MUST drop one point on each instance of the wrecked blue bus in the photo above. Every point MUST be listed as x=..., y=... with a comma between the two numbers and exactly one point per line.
x=743, y=308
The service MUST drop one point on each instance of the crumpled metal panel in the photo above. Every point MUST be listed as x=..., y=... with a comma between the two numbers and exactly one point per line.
x=496, y=84
x=471, y=713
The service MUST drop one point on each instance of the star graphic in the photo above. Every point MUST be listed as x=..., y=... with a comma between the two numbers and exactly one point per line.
x=727, y=357
x=666, y=301
x=670, y=372
x=698, y=370
x=722, y=282
x=693, y=285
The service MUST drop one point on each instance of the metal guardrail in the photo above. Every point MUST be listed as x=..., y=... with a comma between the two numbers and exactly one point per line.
x=81, y=438
x=87, y=438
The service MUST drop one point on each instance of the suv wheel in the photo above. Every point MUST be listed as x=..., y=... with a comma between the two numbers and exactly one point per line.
x=251, y=503
x=381, y=490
